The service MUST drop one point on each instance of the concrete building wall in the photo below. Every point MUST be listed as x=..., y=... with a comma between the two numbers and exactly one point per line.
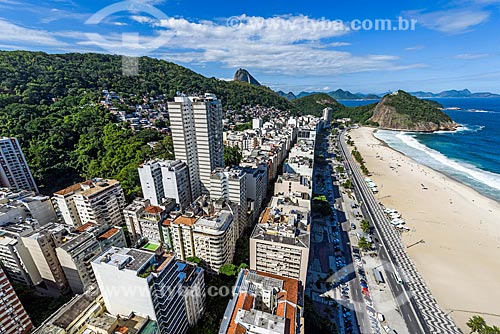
x=14, y=170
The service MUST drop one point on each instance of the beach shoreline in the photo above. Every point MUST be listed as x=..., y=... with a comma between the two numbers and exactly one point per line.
x=457, y=180
x=460, y=256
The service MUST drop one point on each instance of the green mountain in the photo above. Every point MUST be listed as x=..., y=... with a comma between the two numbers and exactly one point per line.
x=402, y=111
x=398, y=111
x=315, y=103
x=50, y=103
x=37, y=76
x=341, y=94
x=290, y=95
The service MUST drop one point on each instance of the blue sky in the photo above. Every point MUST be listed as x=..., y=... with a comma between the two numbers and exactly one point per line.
x=289, y=45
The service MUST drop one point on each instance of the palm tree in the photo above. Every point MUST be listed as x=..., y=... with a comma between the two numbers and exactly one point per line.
x=493, y=330
x=476, y=324
x=364, y=244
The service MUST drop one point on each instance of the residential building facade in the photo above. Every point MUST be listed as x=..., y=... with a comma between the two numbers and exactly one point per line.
x=280, y=242
x=162, y=179
x=149, y=284
x=98, y=201
x=14, y=170
x=13, y=316
x=196, y=125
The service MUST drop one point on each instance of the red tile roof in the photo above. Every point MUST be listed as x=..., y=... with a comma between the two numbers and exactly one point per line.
x=85, y=227
x=111, y=232
x=153, y=209
x=188, y=221
x=287, y=298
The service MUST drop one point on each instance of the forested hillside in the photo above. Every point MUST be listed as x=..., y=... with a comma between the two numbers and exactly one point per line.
x=50, y=103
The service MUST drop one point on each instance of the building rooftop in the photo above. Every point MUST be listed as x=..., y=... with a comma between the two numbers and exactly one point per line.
x=219, y=221
x=187, y=221
x=136, y=260
x=108, y=234
x=153, y=209
x=283, y=226
x=88, y=188
x=125, y=258
x=85, y=227
x=243, y=313
x=137, y=205
x=75, y=242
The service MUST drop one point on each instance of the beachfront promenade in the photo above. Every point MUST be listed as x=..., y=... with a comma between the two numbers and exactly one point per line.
x=419, y=309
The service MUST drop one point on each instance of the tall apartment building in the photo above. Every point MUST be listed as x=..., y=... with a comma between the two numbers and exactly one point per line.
x=74, y=257
x=14, y=170
x=15, y=257
x=161, y=179
x=280, y=242
x=152, y=285
x=230, y=184
x=264, y=303
x=98, y=201
x=196, y=124
x=256, y=184
x=41, y=245
x=144, y=221
x=131, y=214
x=13, y=316
x=211, y=238
x=78, y=249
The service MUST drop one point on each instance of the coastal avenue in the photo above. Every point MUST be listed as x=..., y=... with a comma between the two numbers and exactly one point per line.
x=416, y=304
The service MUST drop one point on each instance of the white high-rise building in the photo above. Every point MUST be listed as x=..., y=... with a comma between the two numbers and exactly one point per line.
x=161, y=179
x=211, y=238
x=153, y=285
x=280, y=241
x=96, y=201
x=196, y=124
x=230, y=184
x=14, y=170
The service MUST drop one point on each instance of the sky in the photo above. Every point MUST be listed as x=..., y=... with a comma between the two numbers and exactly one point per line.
x=295, y=45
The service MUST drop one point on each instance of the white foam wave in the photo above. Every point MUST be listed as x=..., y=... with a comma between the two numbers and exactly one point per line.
x=490, y=179
x=462, y=128
x=482, y=111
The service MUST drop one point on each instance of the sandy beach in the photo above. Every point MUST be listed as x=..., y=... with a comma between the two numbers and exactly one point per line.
x=460, y=259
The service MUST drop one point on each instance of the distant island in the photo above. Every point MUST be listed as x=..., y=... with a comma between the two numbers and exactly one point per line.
x=455, y=93
x=338, y=94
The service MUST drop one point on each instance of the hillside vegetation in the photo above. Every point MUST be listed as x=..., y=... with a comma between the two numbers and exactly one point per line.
x=403, y=111
x=49, y=102
x=315, y=103
x=398, y=110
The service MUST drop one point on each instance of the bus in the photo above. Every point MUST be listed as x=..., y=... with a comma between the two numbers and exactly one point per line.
x=397, y=277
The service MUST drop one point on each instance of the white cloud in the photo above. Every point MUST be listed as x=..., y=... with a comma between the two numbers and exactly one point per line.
x=142, y=19
x=471, y=56
x=12, y=33
x=450, y=21
x=287, y=44
x=415, y=48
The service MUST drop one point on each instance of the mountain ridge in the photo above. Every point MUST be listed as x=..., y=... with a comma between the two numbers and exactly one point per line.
x=338, y=94
x=453, y=93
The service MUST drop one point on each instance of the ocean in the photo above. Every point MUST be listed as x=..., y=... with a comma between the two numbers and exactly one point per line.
x=470, y=155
